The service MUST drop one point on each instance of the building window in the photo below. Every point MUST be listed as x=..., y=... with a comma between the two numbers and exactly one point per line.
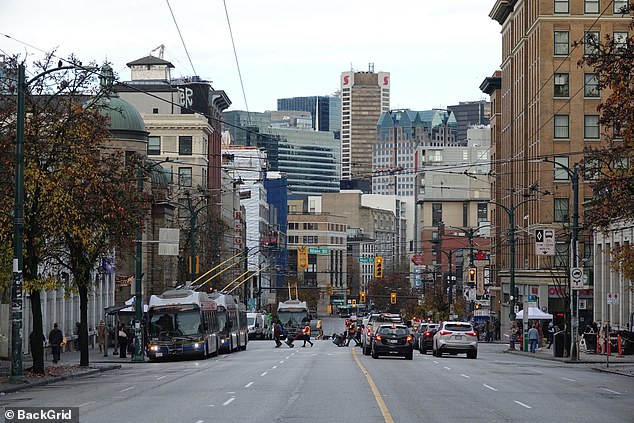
x=185, y=146
x=483, y=212
x=590, y=85
x=591, y=6
x=561, y=213
x=153, y=146
x=561, y=126
x=618, y=5
x=185, y=176
x=590, y=42
x=561, y=6
x=562, y=257
x=590, y=169
x=620, y=41
x=562, y=43
x=561, y=168
x=436, y=213
x=562, y=85
x=591, y=127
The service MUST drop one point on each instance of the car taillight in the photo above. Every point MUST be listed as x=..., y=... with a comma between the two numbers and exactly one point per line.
x=378, y=337
x=369, y=332
x=445, y=332
x=409, y=338
x=428, y=333
x=472, y=333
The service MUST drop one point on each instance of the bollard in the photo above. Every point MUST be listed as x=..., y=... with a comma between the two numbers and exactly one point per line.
x=618, y=344
x=597, y=345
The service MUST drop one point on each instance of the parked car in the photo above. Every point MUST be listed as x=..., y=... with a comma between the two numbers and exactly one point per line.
x=455, y=338
x=376, y=319
x=424, y=337
x=393, y=339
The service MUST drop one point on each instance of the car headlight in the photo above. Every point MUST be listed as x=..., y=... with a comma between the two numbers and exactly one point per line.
x=154, y=347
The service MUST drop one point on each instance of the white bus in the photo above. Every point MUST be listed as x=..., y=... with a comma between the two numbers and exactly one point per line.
x=232, y=322
x=182, y=322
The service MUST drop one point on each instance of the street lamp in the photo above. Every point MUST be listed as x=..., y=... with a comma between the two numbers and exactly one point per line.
x=510, y=211
x=574, y=318
x=18, y=222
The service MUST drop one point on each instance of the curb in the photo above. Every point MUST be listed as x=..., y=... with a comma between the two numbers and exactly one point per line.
x=615, y=372
x=29, y=384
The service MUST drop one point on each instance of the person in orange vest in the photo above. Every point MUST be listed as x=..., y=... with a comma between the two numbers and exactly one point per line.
x=306, y=335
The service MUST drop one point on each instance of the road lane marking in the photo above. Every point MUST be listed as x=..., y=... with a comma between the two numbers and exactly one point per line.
x=568, y=379
x=287, y=357
x=200, y=421
x=463, y=375
x=540, y=372
x=127, y=389
x=522, y=404
x=490, y=387
x=448, y=368
x=229, y=401
x=377, y=395
x=85, y=404
x=609, y=390
x=263, y=374
x=248, y=384
x=274, y=367
x=161, y=377
x=435, y=362
x=281, y=361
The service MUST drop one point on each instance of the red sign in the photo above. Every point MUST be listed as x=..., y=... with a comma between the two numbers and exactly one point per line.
x=417, y=259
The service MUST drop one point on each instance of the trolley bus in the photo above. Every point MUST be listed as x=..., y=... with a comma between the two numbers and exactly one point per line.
x=232, y=322
x=180, y=323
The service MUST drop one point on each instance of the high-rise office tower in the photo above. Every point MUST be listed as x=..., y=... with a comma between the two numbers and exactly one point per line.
x=364, y=96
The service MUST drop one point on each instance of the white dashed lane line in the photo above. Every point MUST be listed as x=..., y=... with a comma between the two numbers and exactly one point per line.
x=522, y=404
x=229, y=401
x=463, y=375
x=127, y=389
x=274, y=367
x=263, y=374
x=568, y=379
x=489, y=387
x=611, y=391
x=161, y=377
x=448, y=368
x=248, y=385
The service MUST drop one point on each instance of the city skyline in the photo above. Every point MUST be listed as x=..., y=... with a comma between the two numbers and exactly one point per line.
x=285, y=50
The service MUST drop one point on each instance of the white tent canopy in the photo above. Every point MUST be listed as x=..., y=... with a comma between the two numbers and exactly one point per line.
x=534, y=313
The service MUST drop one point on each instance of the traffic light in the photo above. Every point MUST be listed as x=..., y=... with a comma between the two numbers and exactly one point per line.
x=302, y=258
x=362, y=297
x=354, y=301
x=392, y=297
x=472, y=274
x=378, y=267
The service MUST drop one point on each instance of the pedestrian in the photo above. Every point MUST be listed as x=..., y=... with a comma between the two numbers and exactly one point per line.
x=55, y=338
x=497, y=326
x=277, y=333
x=352, y=333
x=533, y=337
x=101, y=335
x=551, y=334
x=76, y=333
x=122, y=337
x=306, y=335
x=487, y=331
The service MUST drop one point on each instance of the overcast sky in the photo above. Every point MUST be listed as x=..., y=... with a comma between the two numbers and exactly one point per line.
x=437, y=51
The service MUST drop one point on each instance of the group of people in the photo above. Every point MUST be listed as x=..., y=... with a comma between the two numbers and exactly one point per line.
x=278, y=333
x=535, y=335
x=488, y=331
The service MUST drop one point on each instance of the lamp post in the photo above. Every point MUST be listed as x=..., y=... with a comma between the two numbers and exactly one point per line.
x=574, y=240
x=18, y=222
x=510, y=211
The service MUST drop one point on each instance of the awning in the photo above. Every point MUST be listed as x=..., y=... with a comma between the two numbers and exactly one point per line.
x=534, y=313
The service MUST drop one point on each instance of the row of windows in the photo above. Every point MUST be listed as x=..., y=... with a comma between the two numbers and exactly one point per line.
x=561, y=83
x=184, y=146
x=589, y=6
x=590, y=38
x=591, y=129
x=311, y=226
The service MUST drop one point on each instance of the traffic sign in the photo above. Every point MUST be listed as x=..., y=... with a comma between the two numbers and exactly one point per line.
x=366, y=259
x=320, y=251
x=545, y=242
x=576, y=278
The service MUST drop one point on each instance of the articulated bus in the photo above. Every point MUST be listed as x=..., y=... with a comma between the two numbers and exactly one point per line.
x=182, y=322
x=232, y=322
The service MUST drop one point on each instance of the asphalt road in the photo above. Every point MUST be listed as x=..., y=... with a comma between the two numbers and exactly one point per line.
x=330, y=384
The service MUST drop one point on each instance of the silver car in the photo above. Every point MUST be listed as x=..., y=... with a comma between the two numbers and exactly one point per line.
x=455, y=338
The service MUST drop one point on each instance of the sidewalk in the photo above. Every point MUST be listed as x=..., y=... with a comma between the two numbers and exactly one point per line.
x=67, y=368
x=622, y=365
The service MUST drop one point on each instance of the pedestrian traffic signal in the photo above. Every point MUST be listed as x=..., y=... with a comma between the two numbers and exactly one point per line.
x=378, y=267
x=472, y=274
x=392, y=297
x=354, y=301
x=362, y=297
x=302, y=258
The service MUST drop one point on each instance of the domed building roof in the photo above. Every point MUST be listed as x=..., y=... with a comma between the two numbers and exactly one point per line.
x=125, y=120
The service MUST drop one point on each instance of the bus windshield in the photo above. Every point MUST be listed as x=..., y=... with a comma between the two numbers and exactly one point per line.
x=292, y=318
x=180, y=323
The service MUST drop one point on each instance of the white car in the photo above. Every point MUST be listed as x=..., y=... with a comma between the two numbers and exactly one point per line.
x=455, y=338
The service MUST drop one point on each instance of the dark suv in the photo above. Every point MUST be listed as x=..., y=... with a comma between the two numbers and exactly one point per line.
x=424, y=337
x=393, y=339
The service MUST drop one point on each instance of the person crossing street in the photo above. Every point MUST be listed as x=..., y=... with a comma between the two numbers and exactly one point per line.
x=306, y=335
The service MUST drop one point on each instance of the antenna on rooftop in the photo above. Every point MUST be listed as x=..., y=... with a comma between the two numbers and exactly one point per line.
x=161, y=50
x=371, y=67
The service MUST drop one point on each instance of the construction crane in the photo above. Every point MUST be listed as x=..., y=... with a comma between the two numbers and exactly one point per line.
x=161, y=50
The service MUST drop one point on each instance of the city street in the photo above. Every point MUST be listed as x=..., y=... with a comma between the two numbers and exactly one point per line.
x=326, y=383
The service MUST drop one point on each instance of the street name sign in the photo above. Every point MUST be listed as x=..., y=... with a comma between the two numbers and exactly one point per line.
x=320, y=251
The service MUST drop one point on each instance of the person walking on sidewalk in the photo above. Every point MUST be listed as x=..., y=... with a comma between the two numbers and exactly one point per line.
x=551, y=334
x=55, y=338
x=101, y=335
x=533, y=337
x=123, y=341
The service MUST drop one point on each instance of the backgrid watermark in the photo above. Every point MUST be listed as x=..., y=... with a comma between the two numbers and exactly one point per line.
x=41, y=414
